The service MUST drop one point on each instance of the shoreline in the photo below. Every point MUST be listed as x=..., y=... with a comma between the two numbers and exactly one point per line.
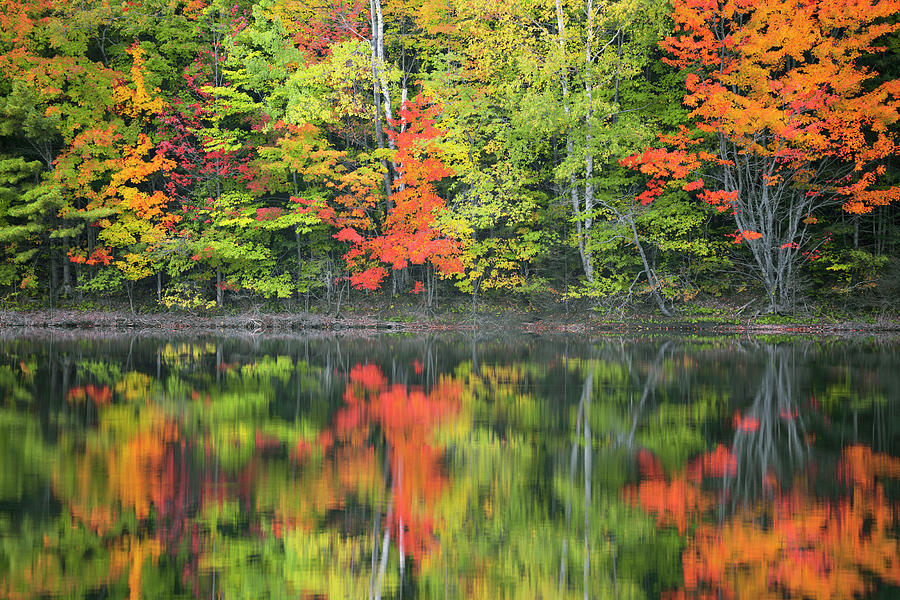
x=520, y=321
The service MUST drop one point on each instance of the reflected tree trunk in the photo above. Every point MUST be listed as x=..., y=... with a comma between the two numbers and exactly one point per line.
x=770, y=435
x=653, y=375
x=376, y=517
x=573, y=464
x=385, y=547
x=588, y=471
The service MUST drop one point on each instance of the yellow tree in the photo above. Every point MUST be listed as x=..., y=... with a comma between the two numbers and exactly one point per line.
x=111, y=168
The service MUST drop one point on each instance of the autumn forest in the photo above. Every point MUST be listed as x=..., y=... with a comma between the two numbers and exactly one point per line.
x=199, y=154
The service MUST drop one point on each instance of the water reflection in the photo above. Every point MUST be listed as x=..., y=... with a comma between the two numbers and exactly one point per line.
x=439, y=467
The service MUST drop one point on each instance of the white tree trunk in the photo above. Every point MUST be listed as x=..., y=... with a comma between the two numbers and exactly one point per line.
x=382, y=92
x=376, y=46
x=585, y=223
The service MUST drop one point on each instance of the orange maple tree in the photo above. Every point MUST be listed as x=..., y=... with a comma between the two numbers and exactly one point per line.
x=794, y=118
x=410, y=232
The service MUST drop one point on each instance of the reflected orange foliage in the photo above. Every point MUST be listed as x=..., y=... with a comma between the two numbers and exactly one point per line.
x=407, y=418
x=791, y=546
x=716, y=463
x=131, y=555
x=674, y=503
x=100, y=485
x=137, y=471
x=100, y=396
x=136, y=474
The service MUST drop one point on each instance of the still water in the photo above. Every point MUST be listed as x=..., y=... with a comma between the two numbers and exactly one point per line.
x=447, y=467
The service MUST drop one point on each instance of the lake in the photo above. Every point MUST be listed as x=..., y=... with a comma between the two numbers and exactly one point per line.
x=430, y=466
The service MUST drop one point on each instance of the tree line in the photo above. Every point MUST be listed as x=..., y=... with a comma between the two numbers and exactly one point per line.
x=199, y=153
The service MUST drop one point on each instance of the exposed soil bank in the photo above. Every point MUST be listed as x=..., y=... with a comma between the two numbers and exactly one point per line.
x=410, y=321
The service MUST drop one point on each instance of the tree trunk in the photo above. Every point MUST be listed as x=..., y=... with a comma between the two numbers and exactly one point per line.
x=574, y=200
x=585, y=223
x=299, y=263
x=220, y=293
x=66, y=288
x=648, y=269
x=379, y=83
x=54, y=277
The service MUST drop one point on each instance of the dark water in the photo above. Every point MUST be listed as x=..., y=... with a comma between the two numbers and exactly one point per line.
x=435, y=467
